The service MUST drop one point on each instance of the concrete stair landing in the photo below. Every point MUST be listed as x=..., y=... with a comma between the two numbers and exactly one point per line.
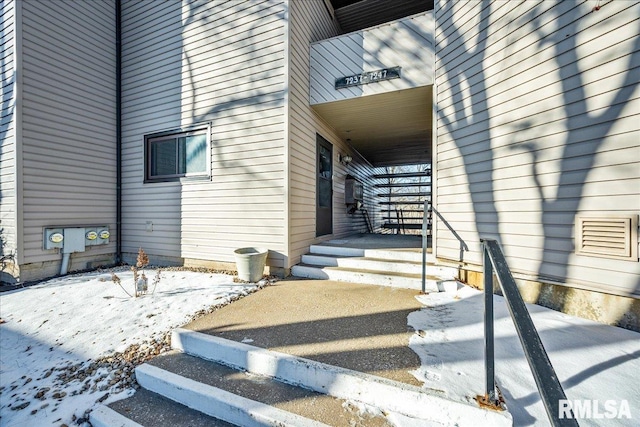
x=396, y=267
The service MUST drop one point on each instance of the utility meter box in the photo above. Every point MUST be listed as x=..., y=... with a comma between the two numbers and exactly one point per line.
x=53, y=238
x=353, y=191
x=75, y=239
x=94, y=236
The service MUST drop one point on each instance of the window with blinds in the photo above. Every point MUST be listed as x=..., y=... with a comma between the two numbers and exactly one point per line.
x=607, y=236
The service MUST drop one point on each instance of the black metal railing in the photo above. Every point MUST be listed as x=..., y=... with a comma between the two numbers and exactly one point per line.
x=549, y=387
x=425, y=239
x=463, y=245
x=427, y=224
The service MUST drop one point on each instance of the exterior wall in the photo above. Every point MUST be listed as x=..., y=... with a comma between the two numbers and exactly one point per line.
x=537, y=121
x=8, y=243
x=384, y=46
x=196, y=62
x=309, y=23
x=68, y=125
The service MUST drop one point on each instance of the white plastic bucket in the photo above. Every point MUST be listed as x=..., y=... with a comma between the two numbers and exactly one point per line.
x=250, y=263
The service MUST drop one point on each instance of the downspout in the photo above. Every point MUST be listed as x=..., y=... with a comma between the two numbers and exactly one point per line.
x=64, y=266
x=118, y=131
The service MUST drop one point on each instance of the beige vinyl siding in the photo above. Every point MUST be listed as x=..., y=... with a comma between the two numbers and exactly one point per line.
x=8, y=130
x=309, y=23
x=537, y=115
x=218, y=63
x=69, y=116
x=384, y=46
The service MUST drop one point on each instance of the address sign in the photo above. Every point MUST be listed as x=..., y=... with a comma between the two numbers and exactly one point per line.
x=368, y=77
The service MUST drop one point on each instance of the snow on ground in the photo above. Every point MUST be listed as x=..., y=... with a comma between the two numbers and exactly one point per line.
x=58, y=344
x=54, y=333
x=593, y=361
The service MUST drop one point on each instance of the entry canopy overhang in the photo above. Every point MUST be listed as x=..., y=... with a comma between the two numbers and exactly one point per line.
x=388, y=120
x=388, y=129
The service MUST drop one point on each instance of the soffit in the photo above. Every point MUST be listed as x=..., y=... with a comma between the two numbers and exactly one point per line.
x=388, y=129
x=354, y=15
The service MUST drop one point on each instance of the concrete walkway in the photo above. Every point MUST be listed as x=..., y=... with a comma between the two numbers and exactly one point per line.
x=354, y=326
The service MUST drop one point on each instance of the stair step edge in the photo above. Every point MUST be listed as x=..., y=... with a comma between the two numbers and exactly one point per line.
x=103, y=416
x=350, y=252
x=367, y=259
x=335, y=381
x=216, y=402
x=373, y=272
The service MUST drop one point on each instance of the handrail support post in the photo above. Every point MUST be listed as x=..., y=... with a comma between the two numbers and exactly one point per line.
x=547, y=382
x=489, y=359
x=425, y=240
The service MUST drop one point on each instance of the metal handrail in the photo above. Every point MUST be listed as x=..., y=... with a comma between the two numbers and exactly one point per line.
x=367, y=220
x=463, y=245
x=428, y=208
x=546, y=379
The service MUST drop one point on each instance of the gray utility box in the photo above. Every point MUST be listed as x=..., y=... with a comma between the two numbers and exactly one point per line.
x=353, y=191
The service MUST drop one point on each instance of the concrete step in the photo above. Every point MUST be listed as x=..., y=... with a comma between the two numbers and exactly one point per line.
x=389, y=397
x=214, y=401
x=336, y=250
x=369, y=277
x=402, y=254
x=291, y=405
x=379, y=264
x=145, y=408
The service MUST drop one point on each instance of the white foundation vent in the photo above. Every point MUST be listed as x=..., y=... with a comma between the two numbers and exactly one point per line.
x=607, y=236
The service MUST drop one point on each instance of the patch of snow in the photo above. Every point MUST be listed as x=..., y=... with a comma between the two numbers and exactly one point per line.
x=593, y=361
x=61, y=327
x=365, y=411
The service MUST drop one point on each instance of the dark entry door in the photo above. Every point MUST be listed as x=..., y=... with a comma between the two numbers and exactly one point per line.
x=324, y=187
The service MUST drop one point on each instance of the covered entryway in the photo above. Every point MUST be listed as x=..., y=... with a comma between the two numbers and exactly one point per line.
x=378, y=97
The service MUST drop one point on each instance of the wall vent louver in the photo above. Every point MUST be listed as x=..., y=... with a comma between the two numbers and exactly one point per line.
x=607, y=236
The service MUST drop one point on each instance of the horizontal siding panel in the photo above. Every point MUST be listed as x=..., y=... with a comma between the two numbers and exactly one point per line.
x=528, y=58
x=262, y=52
x=181, y=67
x=582, y=132
x=611, y=156
x=267, y=221
x=253, y=211
x=8, y=218
x=621, y=202
x=60, y=179
x=540, y=123
x=58, y=138
x=611, y=187
x=521, y=178
x=171, y=116
x=530, y=100
x=68, y=119
x=170, y=78
x=95, y=33
x=40, y=105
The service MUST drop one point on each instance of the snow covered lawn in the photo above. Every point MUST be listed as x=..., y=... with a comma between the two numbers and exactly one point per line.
x=593, y=361
x=69, y=343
